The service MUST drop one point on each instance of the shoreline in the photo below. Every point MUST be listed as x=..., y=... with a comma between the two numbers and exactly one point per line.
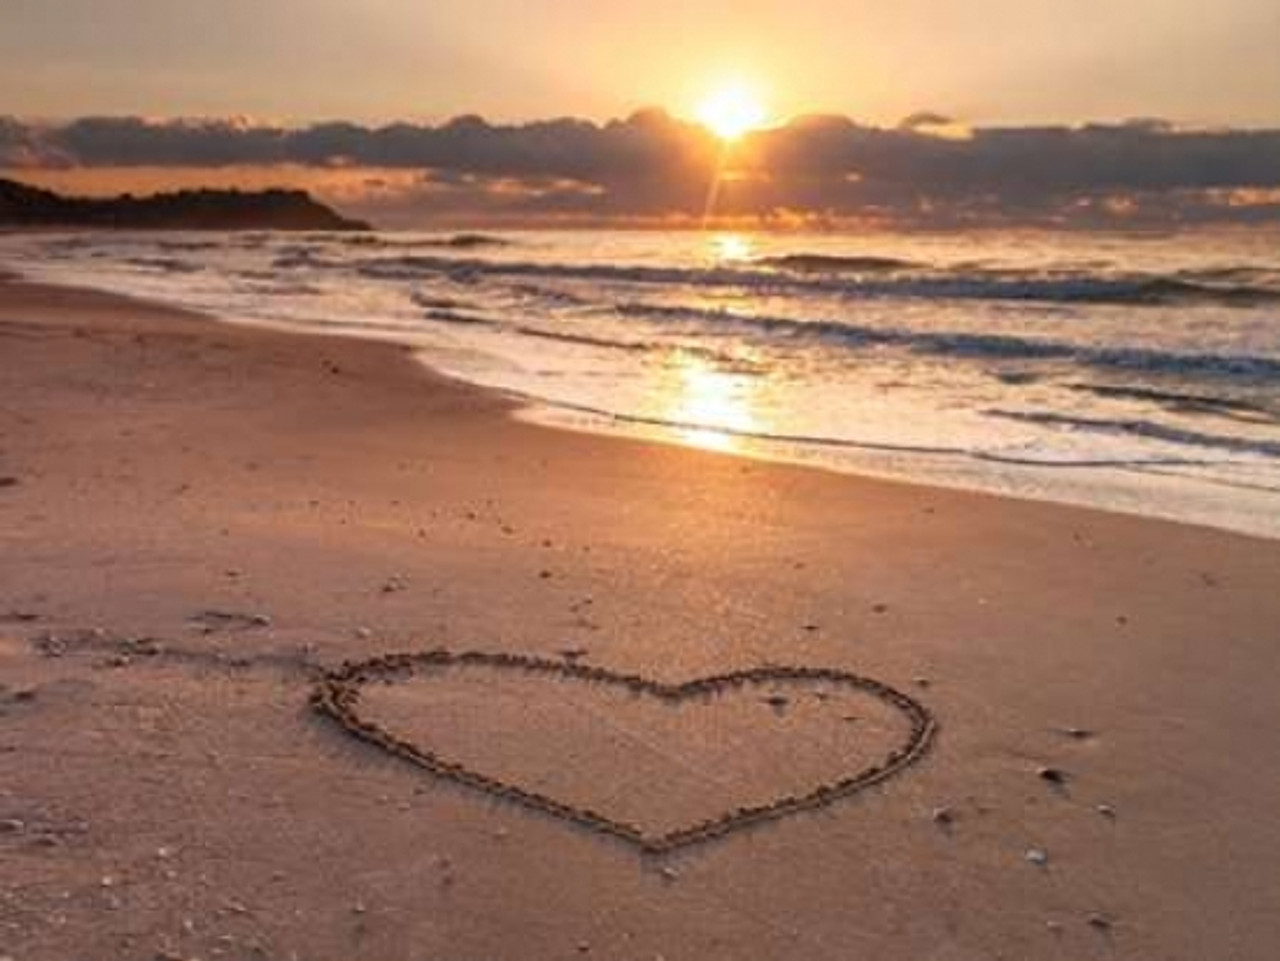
x=599, y=422
x=1216, y=492
x=546, y=414
x=172, y=792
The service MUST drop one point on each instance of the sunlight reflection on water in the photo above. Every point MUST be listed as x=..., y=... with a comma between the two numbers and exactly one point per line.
x=707, y=401
x=728, y=248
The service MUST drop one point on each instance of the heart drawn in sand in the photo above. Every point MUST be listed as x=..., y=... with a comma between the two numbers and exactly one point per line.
x=455, y=714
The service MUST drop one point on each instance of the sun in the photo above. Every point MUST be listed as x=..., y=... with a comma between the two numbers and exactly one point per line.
x=731, y=111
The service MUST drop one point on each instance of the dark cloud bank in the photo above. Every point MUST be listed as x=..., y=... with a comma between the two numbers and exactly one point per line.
x=652, y=168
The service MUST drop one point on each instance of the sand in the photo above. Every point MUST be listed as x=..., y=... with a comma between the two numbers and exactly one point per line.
x=166, y=791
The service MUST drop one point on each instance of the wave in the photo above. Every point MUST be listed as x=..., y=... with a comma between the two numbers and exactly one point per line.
x=445, y=315
x=562, y=298
x=967, y=345
x=418, y=266
x=587, y=340
x=470, y=241
x=464, y=241
x=297, y=257
x=1170, y=290
x=970, y=345
x=188, y=246
x=168, y=265
x=273, y=283
x=1183, y=403
x=428, y=302
x=999, y=347
x=830, y=264
x=285, y=289
x=1247, y=273
x=885, y=447
x=931, y=283
x=724, y=360
x=1150, y=430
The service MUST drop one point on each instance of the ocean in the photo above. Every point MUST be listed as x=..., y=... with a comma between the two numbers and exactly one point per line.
x=1133, y=373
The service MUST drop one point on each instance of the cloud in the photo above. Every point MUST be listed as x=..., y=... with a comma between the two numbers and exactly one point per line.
x=654, y=167
x=924, y=118
x=25, y=147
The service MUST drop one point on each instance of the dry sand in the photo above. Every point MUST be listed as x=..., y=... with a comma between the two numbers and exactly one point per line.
x=165, y=792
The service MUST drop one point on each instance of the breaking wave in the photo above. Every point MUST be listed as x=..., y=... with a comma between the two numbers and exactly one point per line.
x=1182, y=402
x=848, y=443
x=830, y=264
x=464, y=241
x=1151, y=430
x=889, y=278
x=971, y=345
x=168, y=265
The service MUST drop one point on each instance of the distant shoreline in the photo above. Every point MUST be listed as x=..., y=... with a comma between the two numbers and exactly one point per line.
x=184, y=210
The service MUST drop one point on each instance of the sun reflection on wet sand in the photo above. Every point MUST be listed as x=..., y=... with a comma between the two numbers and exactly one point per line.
x=711, y=406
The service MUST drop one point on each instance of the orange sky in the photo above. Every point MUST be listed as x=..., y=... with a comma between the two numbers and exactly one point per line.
x=984, y=61
x=1041, y=92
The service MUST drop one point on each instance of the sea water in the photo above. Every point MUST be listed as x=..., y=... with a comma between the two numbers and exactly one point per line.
x=1133, y=373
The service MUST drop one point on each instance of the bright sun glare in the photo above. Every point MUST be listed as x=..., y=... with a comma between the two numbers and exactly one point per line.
x=731, y=112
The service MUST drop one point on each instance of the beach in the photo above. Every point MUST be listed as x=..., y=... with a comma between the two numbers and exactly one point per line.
x=198, y=519
x=1125, y=373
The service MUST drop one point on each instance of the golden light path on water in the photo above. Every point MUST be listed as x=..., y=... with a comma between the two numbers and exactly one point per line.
x=722, y=404
x=714, y=405
x=727, y=248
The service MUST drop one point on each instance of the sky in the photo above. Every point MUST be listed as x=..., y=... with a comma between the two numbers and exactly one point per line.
x=933, y=113
x=985, y=61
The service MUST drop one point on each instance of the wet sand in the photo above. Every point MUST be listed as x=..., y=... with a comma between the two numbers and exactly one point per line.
x=167, y=792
